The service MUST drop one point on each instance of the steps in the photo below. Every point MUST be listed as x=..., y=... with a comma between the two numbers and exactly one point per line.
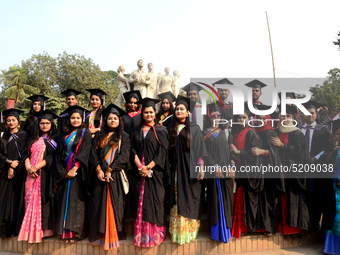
x=202, y=245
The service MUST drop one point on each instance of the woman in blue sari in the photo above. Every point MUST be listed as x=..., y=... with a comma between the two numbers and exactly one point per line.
x=332, y=238
x=70, y=179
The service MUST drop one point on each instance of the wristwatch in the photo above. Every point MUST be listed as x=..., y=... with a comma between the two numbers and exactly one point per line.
x=150, y=173
x=99, y=129
x=9, y=162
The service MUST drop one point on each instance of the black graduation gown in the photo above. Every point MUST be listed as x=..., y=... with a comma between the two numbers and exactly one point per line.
x=322, y=198
x=154, y=189
x=189, y=189
x=165, y=123
x=219, y=153
x=76, y=214
x=10, y=189
x=30, y=127
x=48, y=206
x=129, y=124
x=298, y=188
x=98, y=190
x=62, y=121
x=253, y=183
x=274, y=186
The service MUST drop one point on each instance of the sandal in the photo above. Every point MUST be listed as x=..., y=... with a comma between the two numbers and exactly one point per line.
x=74, y=240
x=66, y=240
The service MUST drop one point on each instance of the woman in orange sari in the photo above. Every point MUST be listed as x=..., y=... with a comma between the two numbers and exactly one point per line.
x=106, y=205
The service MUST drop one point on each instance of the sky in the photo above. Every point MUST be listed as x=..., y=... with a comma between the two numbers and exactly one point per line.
x=201, y=39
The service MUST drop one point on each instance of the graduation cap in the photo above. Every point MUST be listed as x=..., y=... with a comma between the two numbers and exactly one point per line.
x=70, y=92
x=288, y=94
x=147, y=102
x=134, y=93
x=168, y=95
x=99, y=93
x=223, y=81
x=290, y=109
x=335, y=125
x=10, y=112
x=189, y=104
x=77, y=109
x=112, y=108
x=46, y=114
x=190, y=87
x=312, y=104
x=255, y=84
x=39, y=98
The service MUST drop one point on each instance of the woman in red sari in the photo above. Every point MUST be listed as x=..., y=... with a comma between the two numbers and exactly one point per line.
x=247, y=188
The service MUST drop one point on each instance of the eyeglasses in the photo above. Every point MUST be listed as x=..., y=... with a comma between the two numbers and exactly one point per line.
x=215, y=115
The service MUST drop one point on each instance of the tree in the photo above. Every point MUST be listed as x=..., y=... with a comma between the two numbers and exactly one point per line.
x=329, y=92
x=337, y=42
x=15, y=81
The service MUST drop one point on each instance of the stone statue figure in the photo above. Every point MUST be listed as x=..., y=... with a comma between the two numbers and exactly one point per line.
x=138, y=78
x=166, y=81
x=151, y=79
x=175, y=83
x=123, y=85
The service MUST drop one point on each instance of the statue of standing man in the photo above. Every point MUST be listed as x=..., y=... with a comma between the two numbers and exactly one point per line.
x=138, y=78
x=175, y=83
x=151, y=78
x=165, y=83
x=122, y=84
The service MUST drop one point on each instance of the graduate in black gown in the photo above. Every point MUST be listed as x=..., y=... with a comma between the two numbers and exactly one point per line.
x=37, y=200
x=149, y=147
x=270, y=198
x=71, y=99
x=294, y=150
x=320, y=145
x=220, y=182
x=249, y=185
x=106, y=204
x=167, y=109
x=12, y=144
x=132, y=118
x=70, y=180
x=31, y=122
x=97, y=101
x=187, y=156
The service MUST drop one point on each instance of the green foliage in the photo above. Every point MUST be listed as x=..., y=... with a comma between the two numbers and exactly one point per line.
x=337, y=42
x=329, y=92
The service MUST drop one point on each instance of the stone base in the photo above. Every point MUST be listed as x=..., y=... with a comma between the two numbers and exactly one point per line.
x=202, y=245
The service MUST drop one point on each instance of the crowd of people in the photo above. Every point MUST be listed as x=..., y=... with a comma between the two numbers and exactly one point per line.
x=93, y=170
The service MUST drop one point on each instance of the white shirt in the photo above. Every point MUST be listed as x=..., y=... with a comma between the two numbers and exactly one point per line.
x=311, y=131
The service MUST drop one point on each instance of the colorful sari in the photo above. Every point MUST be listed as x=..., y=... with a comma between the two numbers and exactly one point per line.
x=69, y=163
x=31, y=227
x=110, y=240
x=146, y=234
x=332, y=238
x=182, y=230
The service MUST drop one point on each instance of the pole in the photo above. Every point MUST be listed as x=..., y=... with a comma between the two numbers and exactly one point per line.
x=271, y=47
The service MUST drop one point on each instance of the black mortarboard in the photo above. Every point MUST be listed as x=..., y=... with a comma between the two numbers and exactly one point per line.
x=147, y=102
x=99, y=93
x=70, y=92
x=255, y=84
x=134, y=93
x=168, y=95
x=112, y=108
x=76, y=108
x=223, y=81
x=10, y=112
x=290, y=109
x=46, y=114
x=288, y=94
x=190, y=87
x=39, y=98
x=335, y=125
x=214, y=108
x=189, y=104
x=312, y=104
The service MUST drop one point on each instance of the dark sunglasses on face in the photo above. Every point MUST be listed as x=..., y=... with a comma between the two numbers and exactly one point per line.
x=216, y=115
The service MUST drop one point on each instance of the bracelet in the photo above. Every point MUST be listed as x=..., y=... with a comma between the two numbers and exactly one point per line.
x=9, y=162
x=149, y=167
x=140, y=167
x=98, y=169
x=109, y=170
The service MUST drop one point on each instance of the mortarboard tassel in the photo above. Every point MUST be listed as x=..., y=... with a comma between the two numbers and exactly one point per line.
x=44, y=105
x=331, y=125
x=84, y=116
x=2, y=119
x=104, y=100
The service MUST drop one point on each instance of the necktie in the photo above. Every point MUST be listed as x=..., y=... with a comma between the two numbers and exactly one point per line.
x=307, y=135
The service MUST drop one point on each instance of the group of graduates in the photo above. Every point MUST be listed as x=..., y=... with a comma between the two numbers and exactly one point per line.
x=97, y=168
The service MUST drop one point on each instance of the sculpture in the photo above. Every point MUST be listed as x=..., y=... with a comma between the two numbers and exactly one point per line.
x=138, y=78
x=151, y=79
x=175, y=83
x=122, y=84
x=165, y=83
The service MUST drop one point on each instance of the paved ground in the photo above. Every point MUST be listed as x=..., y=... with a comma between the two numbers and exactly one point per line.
x=313, y=249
